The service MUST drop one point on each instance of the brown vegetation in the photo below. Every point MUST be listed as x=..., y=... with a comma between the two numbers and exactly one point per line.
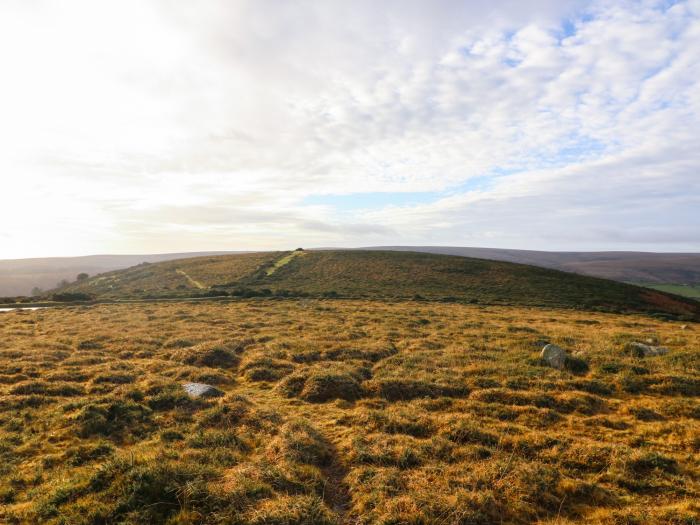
x=345, y=412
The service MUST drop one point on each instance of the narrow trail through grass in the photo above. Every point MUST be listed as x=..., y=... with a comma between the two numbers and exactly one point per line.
x=336, y=492
x=193, y=282
x=283, y=261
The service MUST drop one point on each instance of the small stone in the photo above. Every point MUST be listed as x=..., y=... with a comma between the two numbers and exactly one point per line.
x=642, y=350
x=554, y=356
x=197, y=390
x=684, y=327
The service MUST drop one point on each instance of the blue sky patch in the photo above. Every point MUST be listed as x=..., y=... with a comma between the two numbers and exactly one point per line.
x=381, y=199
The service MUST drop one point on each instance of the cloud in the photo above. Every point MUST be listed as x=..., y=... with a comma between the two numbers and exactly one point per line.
x=169, y=126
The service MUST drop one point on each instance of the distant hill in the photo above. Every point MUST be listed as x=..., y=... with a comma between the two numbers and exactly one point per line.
x=19, y=276
x=681, y=270
x=634, y=267
x=379, y=274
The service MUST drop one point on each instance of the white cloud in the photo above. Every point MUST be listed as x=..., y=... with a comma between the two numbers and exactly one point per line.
x=153, y=126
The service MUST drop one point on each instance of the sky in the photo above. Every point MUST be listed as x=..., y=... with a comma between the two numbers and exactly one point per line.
x=146, y=126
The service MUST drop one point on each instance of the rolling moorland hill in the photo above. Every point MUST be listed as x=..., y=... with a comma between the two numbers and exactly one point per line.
x=677, y=273
x=20, y=276
x=378, y=274
x=632, y=267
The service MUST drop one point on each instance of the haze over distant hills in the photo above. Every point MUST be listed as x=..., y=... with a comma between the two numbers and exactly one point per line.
x=19, y=276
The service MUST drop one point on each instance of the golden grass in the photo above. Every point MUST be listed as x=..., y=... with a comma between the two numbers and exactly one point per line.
x=283, y=261
x=345, y=412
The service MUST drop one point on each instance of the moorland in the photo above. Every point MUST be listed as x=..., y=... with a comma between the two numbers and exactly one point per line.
x=377, y=275
x=350, y=388
x=345, y=411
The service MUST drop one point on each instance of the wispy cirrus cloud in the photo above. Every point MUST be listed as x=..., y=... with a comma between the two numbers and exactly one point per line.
x=149, y=126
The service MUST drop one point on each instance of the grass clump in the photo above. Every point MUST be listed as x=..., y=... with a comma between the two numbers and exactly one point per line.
x=217, y=354
x=396, y=422
x=300, y=442
x=113, y=419
x=407, y=389
x=293, y=510
x=319, y=385
x=263, y=368
x=463, y=431
x=43, y=388
x=84, y=454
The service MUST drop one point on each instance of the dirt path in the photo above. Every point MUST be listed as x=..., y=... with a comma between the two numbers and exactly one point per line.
x=194, y=283
x=336, y=492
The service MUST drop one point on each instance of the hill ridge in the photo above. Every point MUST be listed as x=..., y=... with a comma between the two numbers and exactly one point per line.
x=380, y=274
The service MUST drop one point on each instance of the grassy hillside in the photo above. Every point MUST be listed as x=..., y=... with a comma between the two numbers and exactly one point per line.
x=377, y=274
x=645, y=267
x=340, y=412
x=19, y=276
x=181, y=277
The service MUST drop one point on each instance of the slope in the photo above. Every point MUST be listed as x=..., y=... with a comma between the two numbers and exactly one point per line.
x=377, y=274
x=19, y=276
x=641, y=267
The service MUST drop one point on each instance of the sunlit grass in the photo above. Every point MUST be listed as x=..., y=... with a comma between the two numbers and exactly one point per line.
x=345, y=412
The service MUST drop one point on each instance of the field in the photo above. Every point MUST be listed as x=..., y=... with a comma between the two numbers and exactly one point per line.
x=345, y=411
x=686, y=290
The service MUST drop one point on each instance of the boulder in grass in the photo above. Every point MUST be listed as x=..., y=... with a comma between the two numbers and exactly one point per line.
x=643, y=350
x=197, y=390
x=554, y=356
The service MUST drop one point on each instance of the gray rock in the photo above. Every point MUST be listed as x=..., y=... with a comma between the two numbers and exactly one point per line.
x=554, y=356
x=196, y=390
x=642, y=350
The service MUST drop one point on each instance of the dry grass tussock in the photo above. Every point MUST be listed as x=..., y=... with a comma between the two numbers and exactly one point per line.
x=345, y=412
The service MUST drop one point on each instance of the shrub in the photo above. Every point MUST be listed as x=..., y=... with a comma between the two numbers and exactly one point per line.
x=69, y=297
